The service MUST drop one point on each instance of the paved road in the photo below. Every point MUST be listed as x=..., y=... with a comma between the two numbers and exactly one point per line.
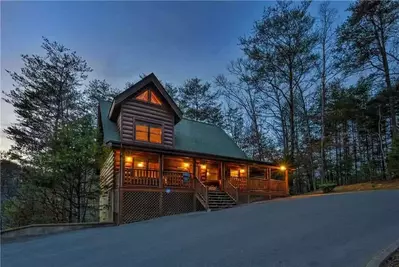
x=334, y=230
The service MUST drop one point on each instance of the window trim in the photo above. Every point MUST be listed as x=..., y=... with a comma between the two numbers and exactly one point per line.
x=149, y=123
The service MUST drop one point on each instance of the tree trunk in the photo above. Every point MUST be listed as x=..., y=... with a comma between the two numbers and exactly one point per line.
x=381, y=144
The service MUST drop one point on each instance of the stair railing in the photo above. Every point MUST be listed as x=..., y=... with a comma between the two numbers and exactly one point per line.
x=201, y=191
x=231, y=190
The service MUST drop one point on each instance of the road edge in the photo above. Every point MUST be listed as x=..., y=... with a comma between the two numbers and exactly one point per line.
x=383, y=254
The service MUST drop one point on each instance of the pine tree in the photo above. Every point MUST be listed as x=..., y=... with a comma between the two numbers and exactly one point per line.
x=281, y=56
x=95, y=91
x=393, y=158
x=367, y=41
x=199, y=103
x=234, y=124
x=45, y=97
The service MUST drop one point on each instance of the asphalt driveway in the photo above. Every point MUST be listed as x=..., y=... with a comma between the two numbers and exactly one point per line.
x=333, y=230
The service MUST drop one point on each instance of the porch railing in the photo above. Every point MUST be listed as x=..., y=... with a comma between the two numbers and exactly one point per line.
x=258, y=184
x=176, y=179
x=277, y=186
x=231, y=190
x=201, y=191
x=239, y=182
x=140, y=177
x=269, y=185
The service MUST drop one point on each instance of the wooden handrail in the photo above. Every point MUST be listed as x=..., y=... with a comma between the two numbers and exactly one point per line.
x=201, y=190
x=231, y=190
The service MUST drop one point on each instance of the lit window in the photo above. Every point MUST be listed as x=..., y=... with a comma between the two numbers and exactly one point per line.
x=143, y=96
x=155, y=99
x=142, y=132
x=149, y=97
x=148, y=132
x=155, y=135
x=234, y=173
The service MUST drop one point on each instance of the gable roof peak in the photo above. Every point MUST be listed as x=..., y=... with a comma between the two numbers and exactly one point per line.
x=151, y=78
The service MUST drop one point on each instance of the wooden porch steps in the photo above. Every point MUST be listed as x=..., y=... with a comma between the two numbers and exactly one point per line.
x=218, y=200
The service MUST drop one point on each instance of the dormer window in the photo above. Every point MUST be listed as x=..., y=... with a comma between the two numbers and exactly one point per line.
x=148, y=132
x=149, y=97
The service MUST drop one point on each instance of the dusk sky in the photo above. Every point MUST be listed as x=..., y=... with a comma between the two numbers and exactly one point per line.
x=121, y=40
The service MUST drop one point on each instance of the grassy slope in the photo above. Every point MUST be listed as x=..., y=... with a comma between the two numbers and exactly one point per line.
x=375, y=185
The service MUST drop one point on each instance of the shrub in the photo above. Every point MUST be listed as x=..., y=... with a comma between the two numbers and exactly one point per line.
x=327, y=188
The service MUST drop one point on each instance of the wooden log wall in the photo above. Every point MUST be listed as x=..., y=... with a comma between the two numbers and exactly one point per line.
x=133, y=110
x=107, y=173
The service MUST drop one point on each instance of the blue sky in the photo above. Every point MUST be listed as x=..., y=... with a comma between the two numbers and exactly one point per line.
x=120, y=40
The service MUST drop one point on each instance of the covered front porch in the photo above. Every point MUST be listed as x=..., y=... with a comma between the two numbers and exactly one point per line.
x=155, y=170
x=152, y=184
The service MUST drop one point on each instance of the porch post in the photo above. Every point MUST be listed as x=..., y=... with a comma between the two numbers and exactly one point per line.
x=247, y=177
x=120, y=184
x=161, y=160
x=269, y=176
x=248, y=192
x=222, y=173
x=193, y=185
x=194, y=170
x=286, y=182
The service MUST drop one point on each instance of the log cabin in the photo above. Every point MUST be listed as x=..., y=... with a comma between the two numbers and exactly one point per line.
x=160, y=163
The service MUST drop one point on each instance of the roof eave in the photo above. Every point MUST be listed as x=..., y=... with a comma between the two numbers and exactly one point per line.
x=118, y=144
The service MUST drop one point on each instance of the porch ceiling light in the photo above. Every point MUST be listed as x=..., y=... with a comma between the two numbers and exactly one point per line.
x=242, y=170
x=186, y=165
x=140, y=164
x=129, y=159
x=203, y=166
x=283, y=168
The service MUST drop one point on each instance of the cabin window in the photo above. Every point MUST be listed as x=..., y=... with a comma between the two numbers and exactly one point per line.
x=149, y=97
x=148, y=132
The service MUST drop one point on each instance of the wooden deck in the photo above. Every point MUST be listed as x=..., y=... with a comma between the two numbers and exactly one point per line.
x=152, y=185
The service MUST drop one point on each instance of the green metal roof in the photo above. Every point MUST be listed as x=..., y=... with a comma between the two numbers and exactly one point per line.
x=205, y=138
x=110, y=129
x=190, y=136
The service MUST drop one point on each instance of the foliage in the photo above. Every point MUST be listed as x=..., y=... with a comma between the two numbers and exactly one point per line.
x=328, y=187
x=281, y=54
x=10, y=180
x=55, y=139
x=393, y=158
x=45, y=97
x=367, y=42
x=62, y=185
x=199, y=103
x=98, y=90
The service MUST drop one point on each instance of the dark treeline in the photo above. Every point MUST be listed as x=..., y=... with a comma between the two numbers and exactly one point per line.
x=319, y=97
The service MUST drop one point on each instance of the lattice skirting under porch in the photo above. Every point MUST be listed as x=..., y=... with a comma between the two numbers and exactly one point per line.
x=143, y=205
